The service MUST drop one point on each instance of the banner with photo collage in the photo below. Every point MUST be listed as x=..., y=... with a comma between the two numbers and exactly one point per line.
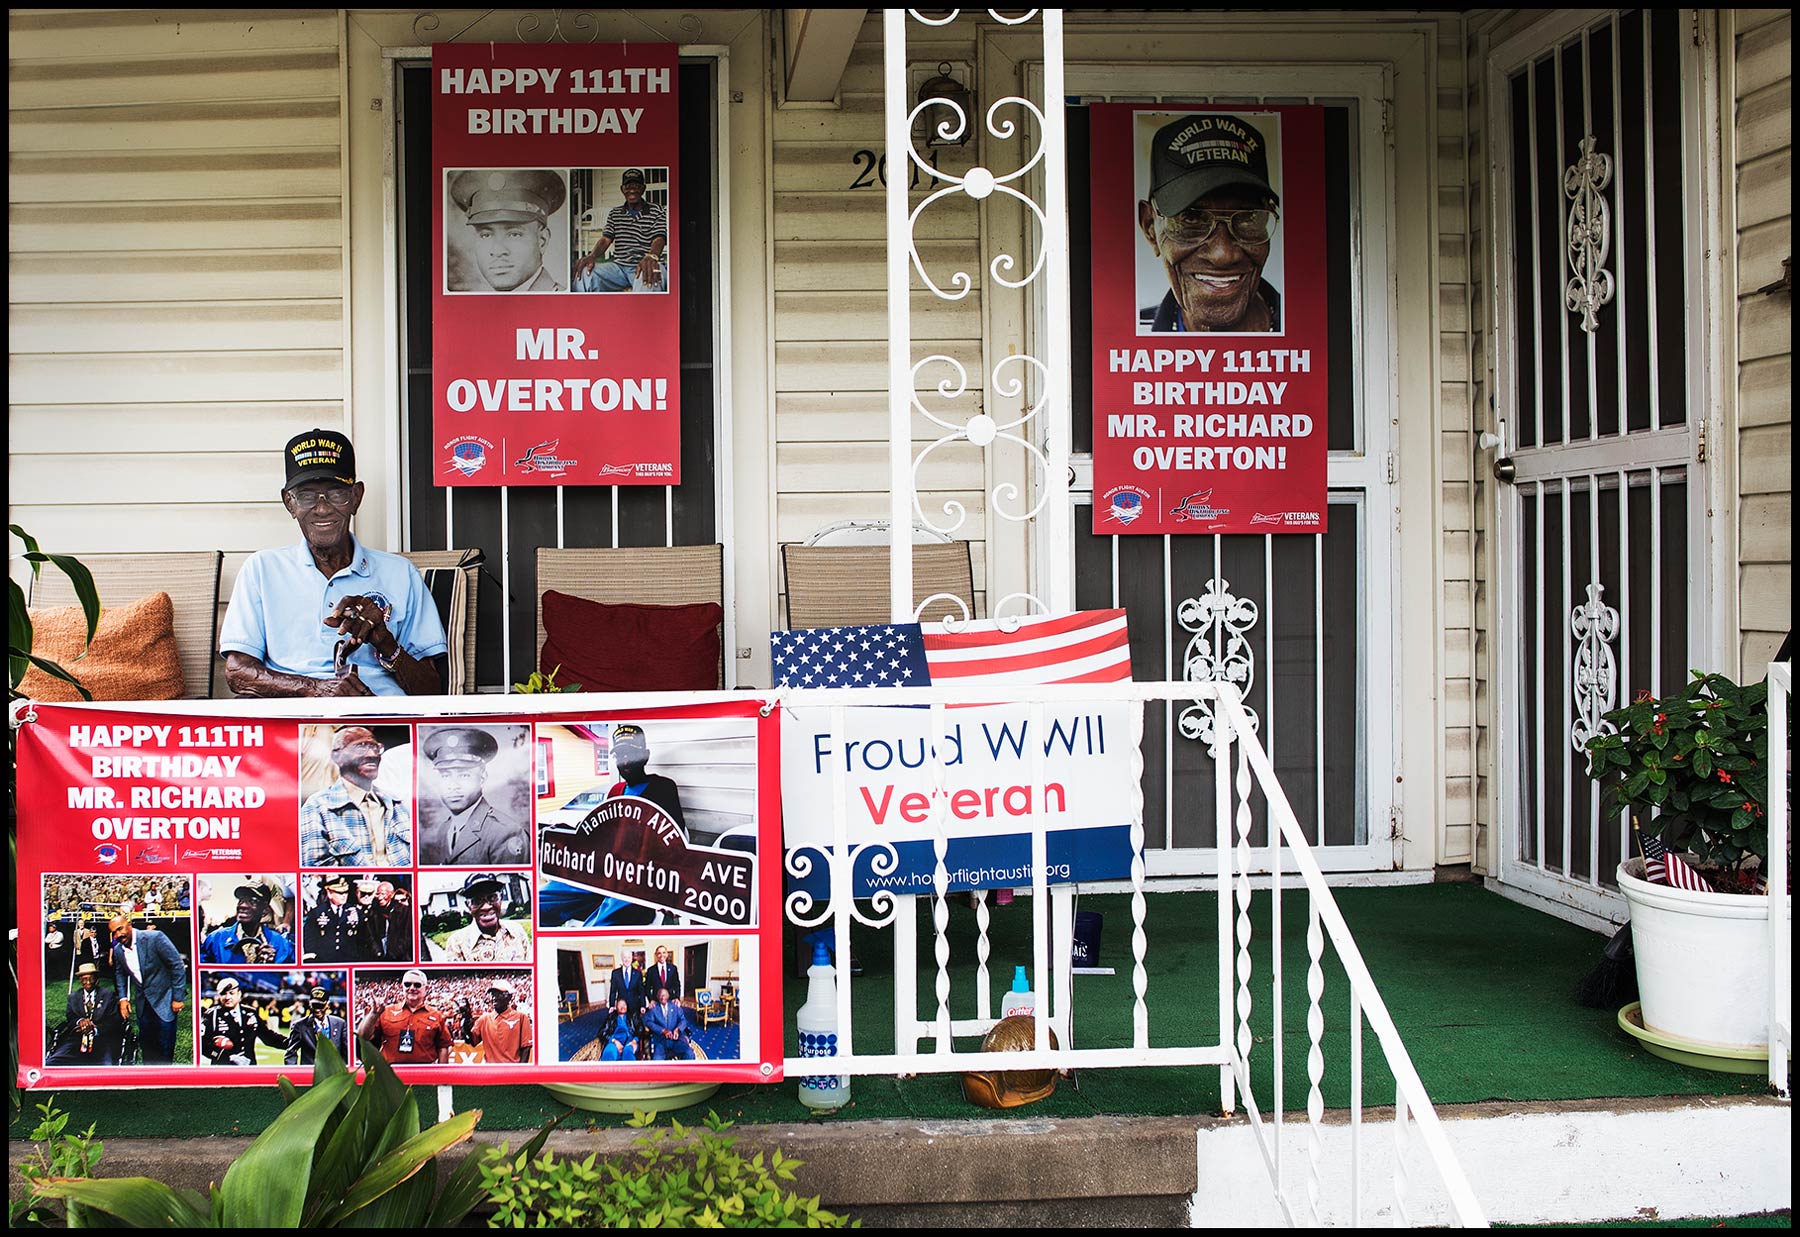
x=556, y=324
x=1210, y=320
x=487, y=897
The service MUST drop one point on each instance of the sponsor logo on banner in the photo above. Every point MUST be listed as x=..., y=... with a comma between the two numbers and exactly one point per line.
x=108, y=854
x=151, y=855
x=1125, y=503
x=469, y=455
x=1198, y=507
x=617, y=470
x=1288, y=519
x=543, y=458
x=653, y=470
x=215, y=855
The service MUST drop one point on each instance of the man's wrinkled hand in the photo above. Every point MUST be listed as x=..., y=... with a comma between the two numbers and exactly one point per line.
x=350, y=684
x=361, y=619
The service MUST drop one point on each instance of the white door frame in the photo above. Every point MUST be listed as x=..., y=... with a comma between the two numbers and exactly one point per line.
x=1709, y=549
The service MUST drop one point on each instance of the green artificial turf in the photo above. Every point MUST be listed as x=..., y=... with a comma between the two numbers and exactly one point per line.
x=1478, y=987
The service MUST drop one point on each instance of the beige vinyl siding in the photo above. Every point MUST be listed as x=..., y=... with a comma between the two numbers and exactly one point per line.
x=1762, y=118
x=1456, y=392
x=830, y=297
x=176, y=262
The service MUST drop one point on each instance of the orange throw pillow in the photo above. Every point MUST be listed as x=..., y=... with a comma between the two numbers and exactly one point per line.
x=133, y=656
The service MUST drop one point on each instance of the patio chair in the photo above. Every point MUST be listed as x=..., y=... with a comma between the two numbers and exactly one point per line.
x=640, y=575
x=190, y=578
x=453, y=577
x=846, y=585
x=710, y=1008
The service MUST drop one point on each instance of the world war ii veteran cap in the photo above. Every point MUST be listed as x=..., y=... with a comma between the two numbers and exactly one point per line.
x=509, y=195
x=460, y=745
x=630, y=738
x=632, y=176
x=319, y=455
x=1195, y=155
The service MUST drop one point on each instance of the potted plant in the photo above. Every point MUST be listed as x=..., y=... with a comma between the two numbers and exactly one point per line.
x=1691, y=767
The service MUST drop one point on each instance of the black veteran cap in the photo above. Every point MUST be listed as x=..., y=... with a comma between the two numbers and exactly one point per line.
x=632, y=176
x=453, y=745
x=479, y=881
x=1194, y=155
x=253, y=893
x=508, y=195
x=629, y=738
x=320, y=997
x=319, y=455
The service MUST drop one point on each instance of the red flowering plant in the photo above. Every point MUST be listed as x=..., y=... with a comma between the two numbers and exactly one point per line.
x=1692, y=766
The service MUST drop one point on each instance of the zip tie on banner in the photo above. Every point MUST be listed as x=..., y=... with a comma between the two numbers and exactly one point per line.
x=776, y=699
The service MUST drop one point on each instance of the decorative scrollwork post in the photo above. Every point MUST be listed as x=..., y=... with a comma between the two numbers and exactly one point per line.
x=1218, y=650
x=1590, y=234
x=1036, y=383
x=1594, y=625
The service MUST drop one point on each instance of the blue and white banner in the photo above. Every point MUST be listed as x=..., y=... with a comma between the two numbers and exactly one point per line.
x=993, y=774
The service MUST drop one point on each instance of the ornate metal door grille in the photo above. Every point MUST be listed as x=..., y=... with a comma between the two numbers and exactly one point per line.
x=1601, y=528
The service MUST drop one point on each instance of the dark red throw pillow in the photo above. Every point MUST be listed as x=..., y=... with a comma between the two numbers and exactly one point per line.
x=631, y=648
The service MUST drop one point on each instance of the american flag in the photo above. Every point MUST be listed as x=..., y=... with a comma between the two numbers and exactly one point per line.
x=1663, y=868
x=1089, y=646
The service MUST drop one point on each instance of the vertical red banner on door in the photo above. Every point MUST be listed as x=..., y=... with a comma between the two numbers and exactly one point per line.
x=556, y=324
x=1209, y=313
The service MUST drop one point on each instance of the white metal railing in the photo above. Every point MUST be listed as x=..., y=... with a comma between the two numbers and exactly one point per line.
x=1237, y=775
x=1781, y=927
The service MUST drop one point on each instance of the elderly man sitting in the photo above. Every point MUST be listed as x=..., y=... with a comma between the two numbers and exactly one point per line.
x=329, y=617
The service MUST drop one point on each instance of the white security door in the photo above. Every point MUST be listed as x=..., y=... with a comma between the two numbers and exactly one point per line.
x=1600, y=501
x=1306, y=623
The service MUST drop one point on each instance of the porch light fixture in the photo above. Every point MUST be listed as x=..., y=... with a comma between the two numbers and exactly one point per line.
x=936, y=119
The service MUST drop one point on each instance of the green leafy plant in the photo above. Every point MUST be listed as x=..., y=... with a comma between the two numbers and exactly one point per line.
x=60, y=1156
x=1692, y=766
x=539, y=682
x=678, y=1177
x=19, y=635
x=339, y=1156
x=20, y=660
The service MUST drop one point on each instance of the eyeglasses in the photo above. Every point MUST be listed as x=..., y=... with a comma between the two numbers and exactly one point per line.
x=307, y=499
x=1193, y=227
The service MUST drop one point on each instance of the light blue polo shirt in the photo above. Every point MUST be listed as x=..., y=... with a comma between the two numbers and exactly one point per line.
x=278, y=608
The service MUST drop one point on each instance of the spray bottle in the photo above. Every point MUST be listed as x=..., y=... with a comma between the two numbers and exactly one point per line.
x=1021, y=1000
x=818, y=1026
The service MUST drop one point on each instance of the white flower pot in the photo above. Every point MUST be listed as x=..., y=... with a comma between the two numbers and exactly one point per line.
x=1702, y=962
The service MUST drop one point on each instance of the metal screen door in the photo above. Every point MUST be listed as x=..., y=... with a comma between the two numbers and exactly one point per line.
x=1601, y=523
x=1307, y=622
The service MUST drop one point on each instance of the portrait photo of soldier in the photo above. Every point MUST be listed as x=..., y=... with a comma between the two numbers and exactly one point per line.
x=506, y=230
x=1208, y=218
x=475, y=786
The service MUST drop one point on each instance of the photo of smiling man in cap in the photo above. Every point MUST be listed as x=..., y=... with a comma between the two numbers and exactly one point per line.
x=504, y=225
x=488, y=937
x=246, y=940
x=351, y=822
x=630, y=254
x=1209, y=215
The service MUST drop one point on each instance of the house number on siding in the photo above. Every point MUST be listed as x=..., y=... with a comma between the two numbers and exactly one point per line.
x=872, y=170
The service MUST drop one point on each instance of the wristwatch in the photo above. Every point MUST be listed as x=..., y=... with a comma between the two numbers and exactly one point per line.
x=387, y=663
